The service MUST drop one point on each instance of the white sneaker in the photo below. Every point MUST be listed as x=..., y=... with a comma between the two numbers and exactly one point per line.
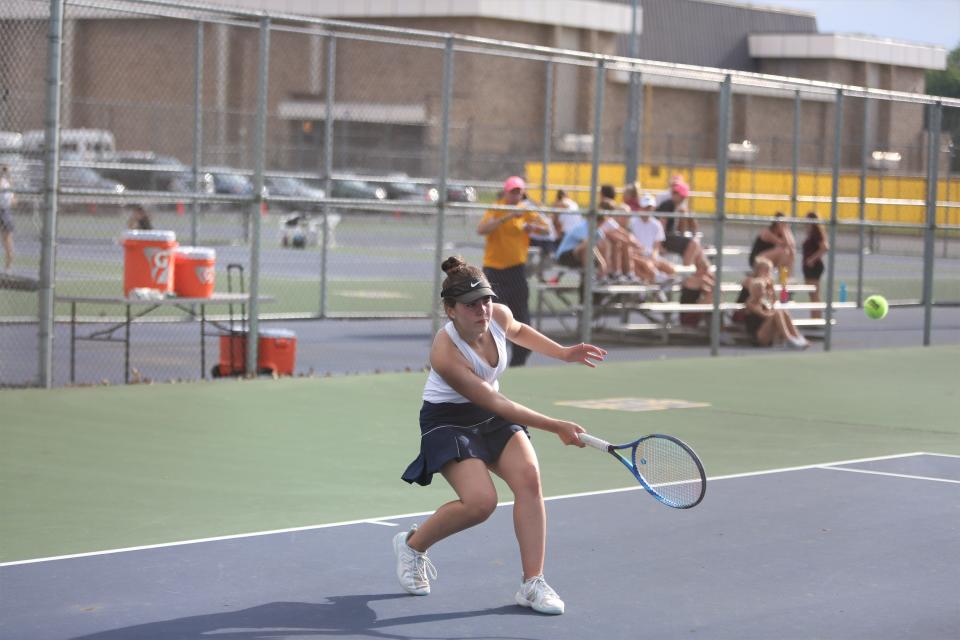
x=537, y=594
x=414, y=569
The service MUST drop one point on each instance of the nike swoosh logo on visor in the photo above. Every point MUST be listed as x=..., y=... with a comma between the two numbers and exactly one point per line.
x=474, y=284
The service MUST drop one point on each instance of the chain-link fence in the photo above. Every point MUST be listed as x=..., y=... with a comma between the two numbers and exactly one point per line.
x=335, y=163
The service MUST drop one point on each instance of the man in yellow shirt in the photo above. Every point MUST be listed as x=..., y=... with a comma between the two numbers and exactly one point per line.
x=507, y=236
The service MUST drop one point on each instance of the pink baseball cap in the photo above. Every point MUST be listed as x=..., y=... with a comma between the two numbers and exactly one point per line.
x=513, y=182
x=681, y=188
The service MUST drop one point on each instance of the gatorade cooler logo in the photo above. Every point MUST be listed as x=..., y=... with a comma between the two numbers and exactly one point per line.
x=159, y=261
x=205, y=274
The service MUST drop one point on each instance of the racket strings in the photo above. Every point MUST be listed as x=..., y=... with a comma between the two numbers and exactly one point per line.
x=670, y=471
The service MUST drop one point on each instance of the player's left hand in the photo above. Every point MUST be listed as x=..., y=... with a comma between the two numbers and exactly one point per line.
x=587, y=354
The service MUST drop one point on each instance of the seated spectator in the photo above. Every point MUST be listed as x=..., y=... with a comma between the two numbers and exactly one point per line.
x=650, y=237
x=568, y=218
x=608, y=198
x=815, y=246
x=631, y=196
x=139, y=219
x=680, y=231
x=572, y=217
x=572, y=251
x=697, y=289
x=776, y=244
x=619, y=246
x=767, y=325
x=666, y=195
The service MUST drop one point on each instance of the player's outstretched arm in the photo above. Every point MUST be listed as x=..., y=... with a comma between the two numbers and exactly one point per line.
x=526, y=336
x=455, y=370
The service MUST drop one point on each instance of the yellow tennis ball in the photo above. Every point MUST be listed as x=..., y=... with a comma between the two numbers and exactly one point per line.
x=875, y=307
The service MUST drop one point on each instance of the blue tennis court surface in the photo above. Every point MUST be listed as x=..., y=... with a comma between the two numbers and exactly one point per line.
x=855, y=549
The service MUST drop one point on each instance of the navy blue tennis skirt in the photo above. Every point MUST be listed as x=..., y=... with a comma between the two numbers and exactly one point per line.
x=457, y=431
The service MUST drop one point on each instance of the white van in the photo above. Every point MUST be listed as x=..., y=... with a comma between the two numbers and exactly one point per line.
x=75, y=144
x=11, y=143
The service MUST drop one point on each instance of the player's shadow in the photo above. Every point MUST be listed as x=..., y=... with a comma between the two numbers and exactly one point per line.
x=338, y=616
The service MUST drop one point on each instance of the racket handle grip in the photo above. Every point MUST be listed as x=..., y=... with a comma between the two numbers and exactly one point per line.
x=593, y=441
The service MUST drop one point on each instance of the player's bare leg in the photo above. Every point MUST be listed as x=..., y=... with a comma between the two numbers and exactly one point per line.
x=471, y=481
x=519, y=468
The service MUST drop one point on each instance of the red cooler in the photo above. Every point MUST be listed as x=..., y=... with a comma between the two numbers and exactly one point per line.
x=276, y=352
x=194, y=272
x=148, y=260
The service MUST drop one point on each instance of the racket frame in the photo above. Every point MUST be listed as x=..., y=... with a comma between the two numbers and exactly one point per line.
x=631, y=462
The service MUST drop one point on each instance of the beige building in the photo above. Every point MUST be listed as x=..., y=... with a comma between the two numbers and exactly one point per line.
x=134, y=75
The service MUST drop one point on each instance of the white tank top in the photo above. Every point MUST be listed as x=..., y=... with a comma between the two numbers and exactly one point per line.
x=437, y=390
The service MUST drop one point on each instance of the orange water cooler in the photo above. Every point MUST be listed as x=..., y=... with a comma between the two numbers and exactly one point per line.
x=194, y=272
x=148, y=260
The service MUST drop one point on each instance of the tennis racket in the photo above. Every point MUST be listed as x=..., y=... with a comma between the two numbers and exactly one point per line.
x=666, y=467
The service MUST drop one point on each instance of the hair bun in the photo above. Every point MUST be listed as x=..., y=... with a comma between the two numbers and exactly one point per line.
x=453, y=263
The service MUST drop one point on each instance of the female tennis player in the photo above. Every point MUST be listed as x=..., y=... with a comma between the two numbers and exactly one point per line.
x=468, y=429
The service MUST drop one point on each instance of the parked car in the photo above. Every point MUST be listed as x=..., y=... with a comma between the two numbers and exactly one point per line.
x=461, y=193
x=145, y=171
x=78, y=178
x=290, y=187
x=357, y=189
x=228, y=181
x=401, y=187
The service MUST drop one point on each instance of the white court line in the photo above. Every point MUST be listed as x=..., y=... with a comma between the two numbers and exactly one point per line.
x=942, y=455
x=424, y=513
x=892, y=475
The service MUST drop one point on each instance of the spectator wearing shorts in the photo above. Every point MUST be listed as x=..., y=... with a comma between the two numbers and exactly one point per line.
x=648, y=231
x=7, y=200
x=815, y=246
x=572, y=251
x=679, y=232
x=776, y=244
x=767, y=325
x=619, y=246
x=697, y=289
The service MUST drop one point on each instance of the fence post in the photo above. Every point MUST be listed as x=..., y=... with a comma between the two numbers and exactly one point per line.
x=720, y=195
x=834, y=191
x=632, y=128
x=51, y=177
x=630, y=143
x=864, y=155
x=795, y=163
x=935, y=111
x=197, y=130
x=259, y=139
x=586, y=314
x=328, y=122
x=547, y=132
x=444, y=167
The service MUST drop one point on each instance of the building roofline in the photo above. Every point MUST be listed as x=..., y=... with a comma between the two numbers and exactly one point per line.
x=760, y=7
x=844, y=46
x=598, y=15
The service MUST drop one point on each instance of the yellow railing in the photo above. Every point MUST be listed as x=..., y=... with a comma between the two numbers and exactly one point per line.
x=763, y=192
